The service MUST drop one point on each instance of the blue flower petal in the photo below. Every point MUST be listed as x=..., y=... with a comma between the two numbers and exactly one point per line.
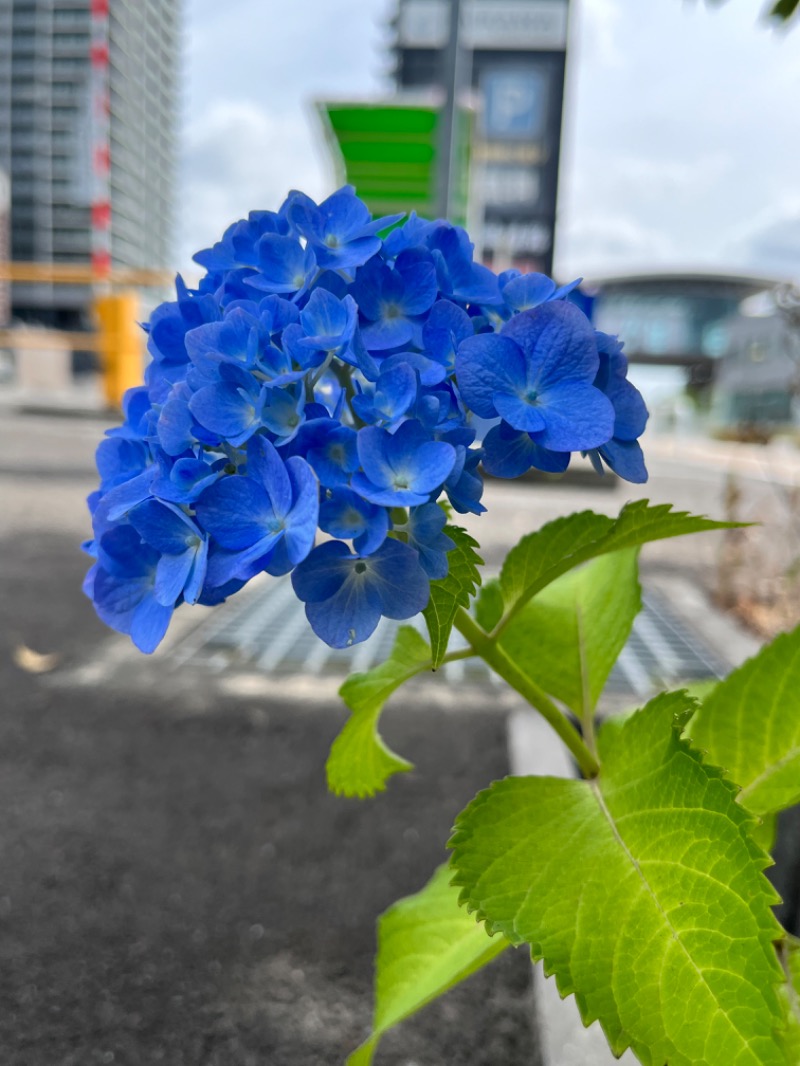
x=172, y=573
x=488, y=364
x=520, y=412
x=149, y=624
x=558, y=343
x=237, y=512
x=577, y=417
x=164, y=527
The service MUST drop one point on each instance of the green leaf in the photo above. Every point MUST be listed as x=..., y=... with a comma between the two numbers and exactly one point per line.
x=426, y=945
x=570, y=635
x=750, y=725
x=784, y=9
x=489, y=605
x=643, y=893
x=360, y=763
x=541, y=557
x=789, y=951
x=453, y=591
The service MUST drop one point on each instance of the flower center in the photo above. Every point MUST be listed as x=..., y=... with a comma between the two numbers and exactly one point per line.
x=360, y=568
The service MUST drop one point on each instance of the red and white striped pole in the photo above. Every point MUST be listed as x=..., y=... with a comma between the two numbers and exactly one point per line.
x=101, y=143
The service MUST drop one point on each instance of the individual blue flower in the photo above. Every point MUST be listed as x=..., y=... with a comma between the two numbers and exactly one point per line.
x=119, y=459
x=346, y=595
x=328, y=325
x=510, y=453
x=284, y=266
x=538, y=375
x=238, y=245
x=185, y=479
x=268, y=516
x=347, y=516
x=445, y=328
x=521, y=292
x=283, y=412
x=392, y=397
x=166, y=334
x=330, y=448
x=622, y=453
x=425, y=535
x=459, y=277
x=276, y=313
x=181, y=570
x=119, y=501
x=236, y=339
x=413, y=233
x=464, y=491
x=391, y=298
x=233, y=408
x=401, y=469
x=122, y=587
x=340, y=230
x=176, y=428
x=137, y=410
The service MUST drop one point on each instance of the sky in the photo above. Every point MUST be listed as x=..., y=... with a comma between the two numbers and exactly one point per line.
x=681, y=144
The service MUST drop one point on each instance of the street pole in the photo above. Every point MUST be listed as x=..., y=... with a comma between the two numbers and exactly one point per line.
x=452, y=75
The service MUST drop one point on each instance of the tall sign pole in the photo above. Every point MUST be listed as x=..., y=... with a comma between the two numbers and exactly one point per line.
x=453, y=65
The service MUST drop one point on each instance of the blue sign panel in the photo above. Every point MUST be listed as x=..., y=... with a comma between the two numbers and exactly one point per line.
x=515, y=104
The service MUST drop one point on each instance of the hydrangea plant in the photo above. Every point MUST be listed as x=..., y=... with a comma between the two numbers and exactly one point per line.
x=334, y=389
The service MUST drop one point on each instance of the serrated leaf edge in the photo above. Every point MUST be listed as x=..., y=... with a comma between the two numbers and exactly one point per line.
x=762, y=860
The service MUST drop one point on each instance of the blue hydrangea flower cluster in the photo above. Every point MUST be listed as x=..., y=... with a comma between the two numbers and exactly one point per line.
x=324, y=379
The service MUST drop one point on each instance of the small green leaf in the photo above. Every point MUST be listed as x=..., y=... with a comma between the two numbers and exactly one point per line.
x=426, y=945
x=750, y=725
x=784, y=9
x=453, y=591
x=541, y=557
x=643, y=892
x=570, y=635
x=360, y=763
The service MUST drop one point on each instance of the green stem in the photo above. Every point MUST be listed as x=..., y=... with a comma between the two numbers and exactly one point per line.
x=494, y=655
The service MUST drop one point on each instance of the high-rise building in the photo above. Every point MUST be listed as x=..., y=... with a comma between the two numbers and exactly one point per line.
x=512, y=55
x=88, y=99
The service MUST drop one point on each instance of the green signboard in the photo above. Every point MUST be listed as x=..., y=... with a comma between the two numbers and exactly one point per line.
x=389, y=151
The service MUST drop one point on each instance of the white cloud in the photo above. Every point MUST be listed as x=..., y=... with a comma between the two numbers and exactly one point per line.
x=253, y=68
x=240, y=157
x=680, y=136
x=691, y=133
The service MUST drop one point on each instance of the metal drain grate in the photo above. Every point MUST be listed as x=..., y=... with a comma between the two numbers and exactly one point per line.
x=267, y=630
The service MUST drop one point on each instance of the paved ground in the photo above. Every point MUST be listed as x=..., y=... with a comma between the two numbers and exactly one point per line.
x=176, y=884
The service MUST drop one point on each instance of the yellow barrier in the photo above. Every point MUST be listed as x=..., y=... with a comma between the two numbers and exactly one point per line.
x=120, y=344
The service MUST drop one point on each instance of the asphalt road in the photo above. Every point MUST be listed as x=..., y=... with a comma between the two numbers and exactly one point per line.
x=177, y=885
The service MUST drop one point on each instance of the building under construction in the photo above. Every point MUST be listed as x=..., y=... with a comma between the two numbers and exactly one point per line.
x=88, y=113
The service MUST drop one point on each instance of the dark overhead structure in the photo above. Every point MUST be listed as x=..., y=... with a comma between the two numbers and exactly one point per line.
x=512, y=54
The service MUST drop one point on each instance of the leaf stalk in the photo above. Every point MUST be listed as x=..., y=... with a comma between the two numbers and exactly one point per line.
x=487, y=648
